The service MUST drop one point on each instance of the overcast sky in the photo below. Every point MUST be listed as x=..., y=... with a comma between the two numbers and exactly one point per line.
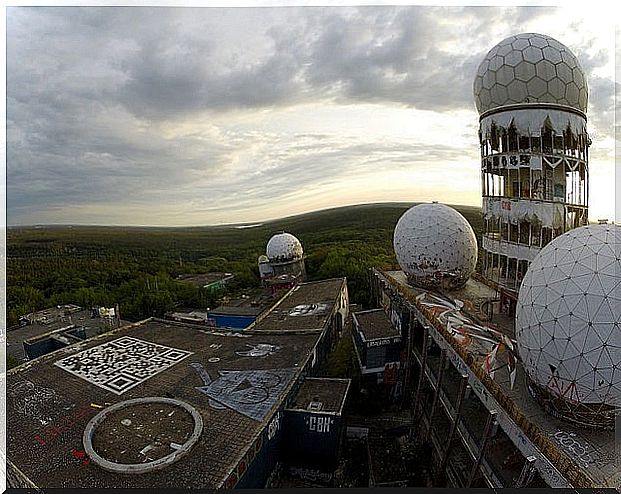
x=194, y=116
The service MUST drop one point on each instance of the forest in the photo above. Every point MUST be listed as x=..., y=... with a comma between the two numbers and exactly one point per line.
x=137, y=267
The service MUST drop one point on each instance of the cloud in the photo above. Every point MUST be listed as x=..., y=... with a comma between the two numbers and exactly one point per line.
x=142, y=104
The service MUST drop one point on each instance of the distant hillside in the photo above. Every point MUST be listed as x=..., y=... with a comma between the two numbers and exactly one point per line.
x=107, y=265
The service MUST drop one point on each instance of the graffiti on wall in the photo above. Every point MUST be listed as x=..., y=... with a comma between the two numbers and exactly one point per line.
x=310, y=474
x=319, y=424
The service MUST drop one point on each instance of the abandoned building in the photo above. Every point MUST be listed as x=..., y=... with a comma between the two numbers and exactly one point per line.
x=203, y=408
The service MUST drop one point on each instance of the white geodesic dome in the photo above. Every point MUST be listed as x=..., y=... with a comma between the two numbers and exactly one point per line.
x=284, y=247
x=568, y=317
x=530, y=68
x=435, y=244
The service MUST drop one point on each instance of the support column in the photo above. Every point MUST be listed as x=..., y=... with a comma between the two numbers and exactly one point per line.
x=459, y=405
x=436, y=396
x=486, y=435
x=423, y=365
x=408, y=357
x=527, y=473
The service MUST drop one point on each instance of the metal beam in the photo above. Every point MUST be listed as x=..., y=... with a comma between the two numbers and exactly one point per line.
x=460, y=402
x=527, y=473
x=486, y=435
x=436, y=396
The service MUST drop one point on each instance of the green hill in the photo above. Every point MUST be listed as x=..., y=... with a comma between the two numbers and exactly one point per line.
x=108, y=265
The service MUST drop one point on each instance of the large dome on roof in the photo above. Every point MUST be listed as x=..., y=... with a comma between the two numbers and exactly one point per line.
x=530, y=68
x=435, y=246
x=568, y=318
x=284, y=247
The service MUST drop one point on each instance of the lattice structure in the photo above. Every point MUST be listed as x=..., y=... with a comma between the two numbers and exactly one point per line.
x=284, y=247
x=530, y=67
x=568, y=324
x=435, y=244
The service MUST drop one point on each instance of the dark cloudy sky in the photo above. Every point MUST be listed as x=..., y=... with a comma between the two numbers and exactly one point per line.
x=190, y=116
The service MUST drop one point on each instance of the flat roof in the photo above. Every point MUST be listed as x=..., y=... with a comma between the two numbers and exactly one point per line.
x=232, y=310
x=330, y=392
x=602, y=467
x=306, y=306
x=374, y=324
x=235, y=381
x=203, y=279
x=16, y=337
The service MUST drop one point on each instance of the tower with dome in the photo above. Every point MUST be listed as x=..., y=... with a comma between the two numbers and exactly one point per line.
x=282, y=265
x=531, y=95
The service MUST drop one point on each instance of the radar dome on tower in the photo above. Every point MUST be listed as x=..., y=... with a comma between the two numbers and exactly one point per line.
x=435, y=244
x=284, y=247
x=530, y=68
x=568, y=324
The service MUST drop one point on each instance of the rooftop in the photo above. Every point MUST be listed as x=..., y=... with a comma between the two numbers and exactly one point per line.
x=330, y=392
x=306, y=306
x=234, y=381
x=204, y=279
x=598, y=462
x=374, y=324
x=54, y=324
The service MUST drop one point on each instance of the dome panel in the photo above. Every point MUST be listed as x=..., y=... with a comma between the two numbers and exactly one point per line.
x=513, y=58
x=496, y=62
x=525, y=71
x=564, y=73
x=538, y=41
x=569, y=59
x=556, y=88
x=552, y=54
x=517, y=91
x=578, y=77
x=532, y=54
x=571, y=93
x=545, y=70
x=499, y=93
x=520, y=44
x=489, y=79
x=582, y=98
x=504, y=75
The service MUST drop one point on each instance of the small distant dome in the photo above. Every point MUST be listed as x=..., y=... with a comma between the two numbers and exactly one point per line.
x=530, y=68
x=284, y=247
x=435, y=246
x=263, y=259
x=568, y=319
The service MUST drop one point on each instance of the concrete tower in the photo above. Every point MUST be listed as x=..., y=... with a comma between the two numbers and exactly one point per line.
x=531, y=94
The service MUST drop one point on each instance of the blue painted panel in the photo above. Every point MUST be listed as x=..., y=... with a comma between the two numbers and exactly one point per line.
x=232, y=321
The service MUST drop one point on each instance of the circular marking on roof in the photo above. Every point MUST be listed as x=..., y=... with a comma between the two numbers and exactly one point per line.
x=154, y=433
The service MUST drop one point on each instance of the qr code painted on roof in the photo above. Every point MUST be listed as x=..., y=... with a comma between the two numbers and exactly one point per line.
x=121, y=364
